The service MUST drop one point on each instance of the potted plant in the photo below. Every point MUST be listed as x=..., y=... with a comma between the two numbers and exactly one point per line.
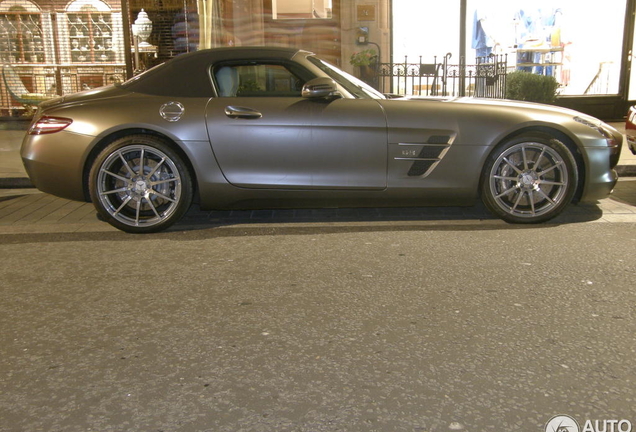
x=364, y=58
x=366, y=62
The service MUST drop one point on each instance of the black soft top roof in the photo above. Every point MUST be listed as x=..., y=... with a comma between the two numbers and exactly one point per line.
x=187, y=75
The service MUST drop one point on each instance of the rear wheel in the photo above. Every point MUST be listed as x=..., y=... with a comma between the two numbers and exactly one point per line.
x=140, y=185
x=530, y=179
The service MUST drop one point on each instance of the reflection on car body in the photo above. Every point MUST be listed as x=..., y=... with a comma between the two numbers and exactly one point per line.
x=275, y=127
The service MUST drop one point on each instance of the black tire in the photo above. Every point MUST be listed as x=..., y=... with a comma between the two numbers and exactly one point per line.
x=139, y=184
x=529, y=179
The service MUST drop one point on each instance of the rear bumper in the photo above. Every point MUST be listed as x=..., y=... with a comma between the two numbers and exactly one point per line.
x=55, y=163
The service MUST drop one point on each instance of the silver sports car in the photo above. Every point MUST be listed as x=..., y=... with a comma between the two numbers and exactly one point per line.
x=272, y=128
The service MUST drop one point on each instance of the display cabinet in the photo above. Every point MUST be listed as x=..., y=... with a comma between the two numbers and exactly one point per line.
x=91, y=37
x=21, y=38
x=59, y=51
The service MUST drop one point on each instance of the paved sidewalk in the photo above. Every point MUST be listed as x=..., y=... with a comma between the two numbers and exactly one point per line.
x=12, y=173
x=32, y=212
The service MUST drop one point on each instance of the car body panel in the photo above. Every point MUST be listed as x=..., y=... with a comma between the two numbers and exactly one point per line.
x=129, y=110
x=300, y=143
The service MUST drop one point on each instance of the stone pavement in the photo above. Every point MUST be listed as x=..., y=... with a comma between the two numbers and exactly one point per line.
x=24, y=209
x=12, y=174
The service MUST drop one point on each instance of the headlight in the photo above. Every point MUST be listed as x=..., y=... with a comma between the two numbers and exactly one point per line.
x=601, y=128
x=613, y=139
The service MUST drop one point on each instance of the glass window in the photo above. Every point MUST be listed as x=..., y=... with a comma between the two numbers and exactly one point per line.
x=423, y=32
x=580, y=46
x=257, y=80
x=90, y=29
x=301, y=9
x=632, y=74
x=21, y=39
x=425, y=29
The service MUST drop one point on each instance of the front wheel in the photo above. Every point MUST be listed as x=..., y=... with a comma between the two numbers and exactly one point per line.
x=140, y=185
x=530, y=179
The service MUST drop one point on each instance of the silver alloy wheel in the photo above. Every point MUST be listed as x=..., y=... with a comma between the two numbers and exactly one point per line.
x=139, y=186
x=528, y=180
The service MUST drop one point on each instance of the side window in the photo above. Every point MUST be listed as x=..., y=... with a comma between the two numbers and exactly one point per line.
x=257, y=80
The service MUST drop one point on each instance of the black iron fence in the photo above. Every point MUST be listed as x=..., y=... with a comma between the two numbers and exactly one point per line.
x=486, y=79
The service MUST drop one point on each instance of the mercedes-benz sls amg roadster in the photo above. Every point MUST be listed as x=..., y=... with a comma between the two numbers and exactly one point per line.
x=240, y=128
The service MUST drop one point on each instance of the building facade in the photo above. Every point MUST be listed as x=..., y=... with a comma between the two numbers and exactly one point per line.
x=56, y=47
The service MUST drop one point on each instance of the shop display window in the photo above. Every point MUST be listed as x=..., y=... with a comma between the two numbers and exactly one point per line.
x=90, y=32
x=21, y=38
x=582, y=50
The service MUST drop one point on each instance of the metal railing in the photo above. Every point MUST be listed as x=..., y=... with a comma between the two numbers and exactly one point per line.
x=485, y=79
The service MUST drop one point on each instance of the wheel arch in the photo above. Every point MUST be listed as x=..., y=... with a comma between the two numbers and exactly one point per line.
x=107, y=139
x=555, y=133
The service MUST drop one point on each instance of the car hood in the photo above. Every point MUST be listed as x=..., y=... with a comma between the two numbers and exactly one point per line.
x=505, y=104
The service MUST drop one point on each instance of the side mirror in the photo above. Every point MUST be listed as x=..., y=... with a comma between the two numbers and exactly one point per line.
x=320, y=88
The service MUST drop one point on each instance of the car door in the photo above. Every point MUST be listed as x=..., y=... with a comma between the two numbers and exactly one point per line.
x=265, y=135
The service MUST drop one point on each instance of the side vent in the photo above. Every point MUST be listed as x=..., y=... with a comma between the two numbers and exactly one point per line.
x=428, y=156
x=419, y=168
x=438, y=139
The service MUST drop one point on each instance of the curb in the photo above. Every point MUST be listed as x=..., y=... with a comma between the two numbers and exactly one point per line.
x=626, y=170
x=15, y=183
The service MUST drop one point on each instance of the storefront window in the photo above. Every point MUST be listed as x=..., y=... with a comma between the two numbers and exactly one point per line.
x=426, y=29
x=21, y=33
x=90, y=32
x=580, y=47
x=631, y=96
x=301, y=9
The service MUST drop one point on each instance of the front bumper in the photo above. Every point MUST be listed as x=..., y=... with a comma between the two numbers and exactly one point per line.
x=601, y=177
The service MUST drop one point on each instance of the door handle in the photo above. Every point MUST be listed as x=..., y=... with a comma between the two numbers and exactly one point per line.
x=238, y=112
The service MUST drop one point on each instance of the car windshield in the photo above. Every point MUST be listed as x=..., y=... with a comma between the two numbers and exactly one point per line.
x=353, y=85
